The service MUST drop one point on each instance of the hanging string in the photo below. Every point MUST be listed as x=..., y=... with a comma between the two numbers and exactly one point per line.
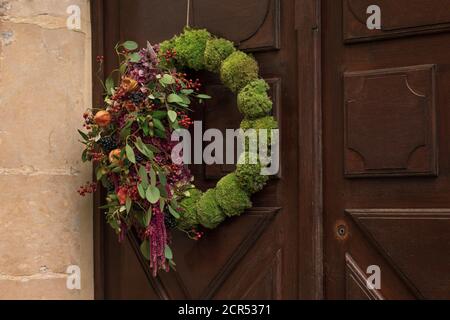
x=188, y=13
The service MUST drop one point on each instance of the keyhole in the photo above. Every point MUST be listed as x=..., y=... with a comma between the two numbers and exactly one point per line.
x=341, y=231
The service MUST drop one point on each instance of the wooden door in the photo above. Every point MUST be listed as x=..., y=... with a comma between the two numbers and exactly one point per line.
x=386, y=122
x=250, y=257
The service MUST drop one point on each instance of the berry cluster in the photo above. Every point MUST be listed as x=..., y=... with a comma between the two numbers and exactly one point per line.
x=133, y=192
x=185, y=121
x=170, y=221
x=107, y=144
x=88, y=120
x=169, y=55
x=182, y=82
x=196, y=235
x=89, y=187
x=139, y=157
x=194, y=85
x=137, y=97
x=96, y=156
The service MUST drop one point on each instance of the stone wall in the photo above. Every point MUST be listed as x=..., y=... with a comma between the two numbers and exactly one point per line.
x=45, y=85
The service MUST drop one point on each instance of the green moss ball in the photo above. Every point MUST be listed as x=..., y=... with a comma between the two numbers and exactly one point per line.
x=248, y=173
x=217, y=50
x=253, y=100
x=265, y=123
x=209, y=213
x=238, y=70
x=190, y=47
x=188, y=216
x=230, y=197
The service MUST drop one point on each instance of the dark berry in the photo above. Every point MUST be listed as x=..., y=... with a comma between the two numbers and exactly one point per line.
x=107, y=144
x=170, y=221
x=111, y=188
x=137, y=97
x=139, y=158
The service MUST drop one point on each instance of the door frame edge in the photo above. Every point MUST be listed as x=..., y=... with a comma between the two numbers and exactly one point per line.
x=97, y=44
x=310, y=215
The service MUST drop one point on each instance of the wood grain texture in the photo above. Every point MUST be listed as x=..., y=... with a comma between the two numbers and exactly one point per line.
x=390, y=122
x=398, y=18
x=356, y=287
x=310, y=193
x=379, y=101
x=406, y=238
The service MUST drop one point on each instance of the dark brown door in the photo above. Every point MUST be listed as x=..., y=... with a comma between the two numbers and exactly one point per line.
x=386, y=113
x=250, y=257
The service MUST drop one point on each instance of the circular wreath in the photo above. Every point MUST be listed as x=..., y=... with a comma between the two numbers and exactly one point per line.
x=129, y=141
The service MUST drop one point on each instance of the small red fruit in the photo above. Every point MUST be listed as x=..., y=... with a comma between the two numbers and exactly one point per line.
x=102, y=118
x=114, y=157
x=122, y=195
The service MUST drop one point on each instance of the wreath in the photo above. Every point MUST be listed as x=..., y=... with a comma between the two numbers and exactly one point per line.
x=128, y=140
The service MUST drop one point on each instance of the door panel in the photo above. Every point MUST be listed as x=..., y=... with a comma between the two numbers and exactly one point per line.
x=399, y=18
x=386, y=106
x=253, y=256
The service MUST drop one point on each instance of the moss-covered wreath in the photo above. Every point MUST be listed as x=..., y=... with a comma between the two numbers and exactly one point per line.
x=129, y=138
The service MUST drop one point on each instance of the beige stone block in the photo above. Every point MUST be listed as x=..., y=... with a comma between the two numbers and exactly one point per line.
x=45, y=85
x=43, y=95
x=40, y=223
x=38, y=289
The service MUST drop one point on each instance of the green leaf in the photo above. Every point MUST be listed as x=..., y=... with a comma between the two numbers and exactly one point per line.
x=159, y=114
x=148, y=217
x=115, y=225
x=174, y=212
x=130, y=154
x=145, y=128
x=175, y=125
x=135, y=57
x=168, y=253
x=143, y=148
x=116, y=169
x=107, y=206
x=158, y=125
x=152, y=178
x=109, y=84
x=162, y=204
x=167, y=79
x=83, y=135
x=145, y=249
x=187, y=91
x=141, y=190
x=203, y=96
x=186, y=100
x=172, y=264
x=100, y=172
x=84, y=155
x=123, y=68
x=153, y=194
x=162, y=178
x=130, y=45
x=153, y=148
x=160, y=134
x=128, y=204
x=172, y=115
x=163, y=191
x=126, y=130
x=174, y=98
x=144, y=177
